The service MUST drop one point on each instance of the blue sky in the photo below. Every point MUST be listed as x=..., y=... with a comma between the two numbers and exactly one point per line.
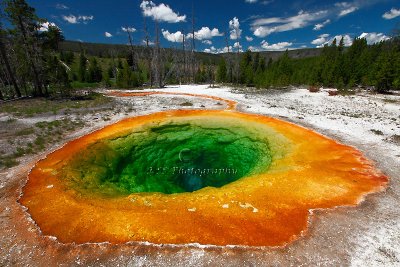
x=259, y=24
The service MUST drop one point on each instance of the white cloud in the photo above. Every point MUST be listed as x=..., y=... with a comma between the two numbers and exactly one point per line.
x=347, y=11
x=325, y=40
x=108, y=35
x=61, y=6
x=176, y=37
x=267, y=2
x=212, y=49
x=234, y=26
x=162, y=12
x=254, y=49
x=263, y=27
x=393, y=13
x=237, y=45
x=72, y=19
x=128, y=29
x=275, y=47
x=266, y=26
x=251, y=1
x=205, y=33
x=374, y=37
x=249, y=39
x=150, y=42
x=346, y=8
x=321, y=39
x=44, y=27
x=208, y=42
x=319, y=26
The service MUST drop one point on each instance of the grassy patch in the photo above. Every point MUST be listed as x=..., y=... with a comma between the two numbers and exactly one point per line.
x=8, y=162
x=36, y=106
x=25, y=132
x=186, y=104
x=45, y=132
x=83, y=85
x=390, y=101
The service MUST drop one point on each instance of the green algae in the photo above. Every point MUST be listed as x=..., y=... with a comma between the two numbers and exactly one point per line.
x=172, y=157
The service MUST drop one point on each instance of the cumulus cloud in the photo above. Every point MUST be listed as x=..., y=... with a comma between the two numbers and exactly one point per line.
x=249, y=39
x=161, y=12
x=206, y=33
x=175, y=37
x=325, y=39
x=208, y=42
x=44, y=27
x=72, y=19
x=251, y=1
x=275, y=47
x=374, y=37
x=234, y=26
x=265, y=26
x=319, y=26
x=128, y=29
x=321, y=39
x=254, y=49
x=237, y=45
x=212, y=49
x=108, y=35
x=393, y=13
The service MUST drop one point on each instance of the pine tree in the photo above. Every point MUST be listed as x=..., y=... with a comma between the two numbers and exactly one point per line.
x=82, y=68
x=222, y=71
x=23, y=18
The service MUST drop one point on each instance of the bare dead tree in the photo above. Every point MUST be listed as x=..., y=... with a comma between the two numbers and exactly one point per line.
x=148, y=52
x=183, y=74
x=228, y=58
x=236, y=31
x=157, y=57
x=193, y=59
x=133, y=58
x=227, y=41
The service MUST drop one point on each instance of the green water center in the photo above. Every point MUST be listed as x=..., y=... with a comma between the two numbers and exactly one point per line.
x=169, y=158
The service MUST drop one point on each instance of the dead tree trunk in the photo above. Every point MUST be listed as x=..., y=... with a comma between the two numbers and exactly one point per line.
x=134, y=67
x=148, y=52
x=193, y=48
x=158, y=70
x=183, y=74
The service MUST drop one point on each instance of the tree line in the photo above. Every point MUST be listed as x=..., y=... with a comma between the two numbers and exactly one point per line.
x=364, y=65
